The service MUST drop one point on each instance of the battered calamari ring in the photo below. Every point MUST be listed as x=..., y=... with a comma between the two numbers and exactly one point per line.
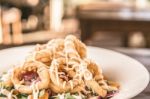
x=61, y=80
x=77, y=44
x=70, y=48
x=45, y=56
x=60, y=89
x=93, y=67
x=96, y=88
x=32, y=72
x=99, y=79
x=39, y=47
x=45, y=53
x=65, y=65
x=55, y=45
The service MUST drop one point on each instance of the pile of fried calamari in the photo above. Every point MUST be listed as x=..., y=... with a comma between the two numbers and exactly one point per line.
x=59, y=69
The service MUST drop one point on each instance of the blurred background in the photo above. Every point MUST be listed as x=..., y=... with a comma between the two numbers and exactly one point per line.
x=102, y=23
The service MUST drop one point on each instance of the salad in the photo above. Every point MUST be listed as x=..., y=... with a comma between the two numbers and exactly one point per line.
x=59, y=69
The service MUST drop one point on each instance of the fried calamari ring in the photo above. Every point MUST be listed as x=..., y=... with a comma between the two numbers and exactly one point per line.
x=55, y=45
x=69, y=62
x=76, y=44
x=94, y=69
x=62, y=89
x=98, y=81
x=31, y=72
x=97, y=73
x=70, y=48
x=60, y=79
x=72, y=55
x=45, y=56
x=46, y=52
x=39, y=47
x=95, y=86
x=44, y=96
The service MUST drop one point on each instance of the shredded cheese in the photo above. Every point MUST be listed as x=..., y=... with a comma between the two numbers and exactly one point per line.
x=54, y=69
x=71, y=84
x=77, y=97
x=64, y=84
x=87, y=75
x=11, y=96
x=35, y=90
x=57, y=77
x=17, y=86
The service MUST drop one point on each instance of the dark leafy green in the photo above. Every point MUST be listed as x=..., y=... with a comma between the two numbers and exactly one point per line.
x=22, y=96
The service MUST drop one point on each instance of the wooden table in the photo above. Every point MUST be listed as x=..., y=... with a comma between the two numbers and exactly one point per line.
x=123, y=21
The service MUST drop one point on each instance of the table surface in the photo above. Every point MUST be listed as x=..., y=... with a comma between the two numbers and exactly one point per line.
x=142, y=55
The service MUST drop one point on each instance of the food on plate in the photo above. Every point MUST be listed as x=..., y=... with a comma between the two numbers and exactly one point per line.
x=31, y=75
x=59, y=69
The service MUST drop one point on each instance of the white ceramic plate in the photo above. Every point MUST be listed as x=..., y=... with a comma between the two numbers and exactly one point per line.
x=132, y=75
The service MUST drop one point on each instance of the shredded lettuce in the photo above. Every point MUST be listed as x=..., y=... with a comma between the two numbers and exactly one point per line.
x=1, y=95
x=41, y=93
x=69, y=96
x=22, y=96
